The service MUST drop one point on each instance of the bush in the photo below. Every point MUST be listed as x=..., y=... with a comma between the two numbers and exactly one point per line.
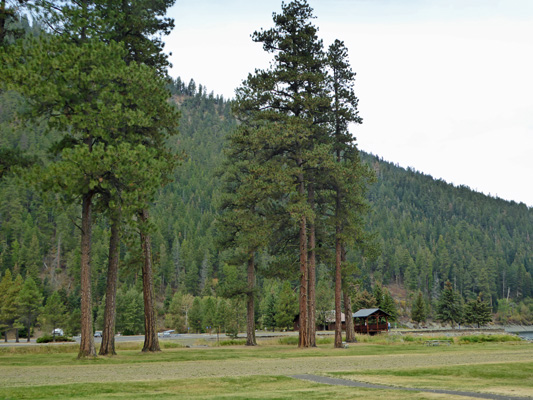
x=50, y=338
x=324, y=340
x=233, y=342
x=290, y=340
x=170, y=345
x=488, y=338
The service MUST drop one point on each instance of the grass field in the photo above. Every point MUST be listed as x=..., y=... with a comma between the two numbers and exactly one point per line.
x=262, y=372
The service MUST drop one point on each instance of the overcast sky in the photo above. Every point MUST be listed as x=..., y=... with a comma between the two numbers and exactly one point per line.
x=444, y=86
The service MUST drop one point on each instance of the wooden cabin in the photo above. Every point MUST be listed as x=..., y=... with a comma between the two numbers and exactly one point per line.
x=371, y=321
x=331, y=322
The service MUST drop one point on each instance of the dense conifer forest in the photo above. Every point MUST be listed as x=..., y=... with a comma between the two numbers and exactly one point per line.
x=428, y=232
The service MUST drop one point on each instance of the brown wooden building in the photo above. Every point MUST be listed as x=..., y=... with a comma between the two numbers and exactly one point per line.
x=371, y=321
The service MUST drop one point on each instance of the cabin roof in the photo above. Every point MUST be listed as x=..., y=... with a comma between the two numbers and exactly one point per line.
x=367, y=312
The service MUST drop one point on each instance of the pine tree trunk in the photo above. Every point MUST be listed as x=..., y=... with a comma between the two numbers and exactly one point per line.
x=250, y=310
x=108, y=333
x=350, y=333
x=151, y=341
x=311, y=312
x=338, y=285
x=87, y=348
x=303, y=338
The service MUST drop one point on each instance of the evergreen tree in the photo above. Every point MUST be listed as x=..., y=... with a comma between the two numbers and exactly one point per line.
x=5, y=284
x=364, y=299
x=477, y=312
x=195, y=316
x=280, y=109
x=130, y=312
x=449, y=306
x=286, y=308
x=379, y=295
x=174, y=317
x=222, y=315
x=85, y=154
x=325, y=298
x=418, y=309
x=9, y=311
x=30, y=303
x=209, y=313
x=54, y=312
x=348, y=176
x=389, y=306
x=269, y=312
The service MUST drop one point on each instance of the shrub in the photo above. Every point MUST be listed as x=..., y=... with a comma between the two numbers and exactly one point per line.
x=50, y=338
x=170, y=345
x=324, y=340
x=289, y=340
x=488, y=338
x=232, y=342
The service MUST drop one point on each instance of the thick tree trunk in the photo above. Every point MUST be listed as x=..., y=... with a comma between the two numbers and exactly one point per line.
x=338, y=285
x=303, y=338
x=350, y=333
x=108, y=332
x=311, y=311
x=250, y=306
x=338, y=260
x=87, y=348
x=151, y=341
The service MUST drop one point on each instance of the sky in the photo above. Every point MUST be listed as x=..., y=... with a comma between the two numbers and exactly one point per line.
x=444, y=86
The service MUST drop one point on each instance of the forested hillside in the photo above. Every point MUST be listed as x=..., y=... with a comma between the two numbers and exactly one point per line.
x=432, y=231
x=428, y=231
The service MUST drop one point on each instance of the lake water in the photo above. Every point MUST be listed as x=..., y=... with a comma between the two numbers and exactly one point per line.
x=525, y=335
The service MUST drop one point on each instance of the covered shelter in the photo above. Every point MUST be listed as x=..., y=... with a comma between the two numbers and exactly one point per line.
x=371, y=321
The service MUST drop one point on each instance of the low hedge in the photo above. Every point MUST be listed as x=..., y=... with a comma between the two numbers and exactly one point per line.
x=50, y=338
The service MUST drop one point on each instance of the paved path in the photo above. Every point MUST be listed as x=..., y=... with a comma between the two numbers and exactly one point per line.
x=344, y=382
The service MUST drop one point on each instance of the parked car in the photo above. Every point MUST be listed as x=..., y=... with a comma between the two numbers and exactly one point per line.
x=57, y=332
x=98, y=334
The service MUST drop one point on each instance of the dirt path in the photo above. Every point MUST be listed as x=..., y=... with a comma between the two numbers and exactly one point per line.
x=169, y=370
x=343, y=382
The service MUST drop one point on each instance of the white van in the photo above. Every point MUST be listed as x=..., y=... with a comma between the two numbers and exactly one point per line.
x=57, y=332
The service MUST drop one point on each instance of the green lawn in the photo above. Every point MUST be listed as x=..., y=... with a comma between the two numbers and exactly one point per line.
x=262, y=372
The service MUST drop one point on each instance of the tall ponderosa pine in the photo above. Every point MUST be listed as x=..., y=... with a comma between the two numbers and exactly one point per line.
x=136, y=26
x=89, y=93
x=283, y=106
x=243, y=225
x=349, y=176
